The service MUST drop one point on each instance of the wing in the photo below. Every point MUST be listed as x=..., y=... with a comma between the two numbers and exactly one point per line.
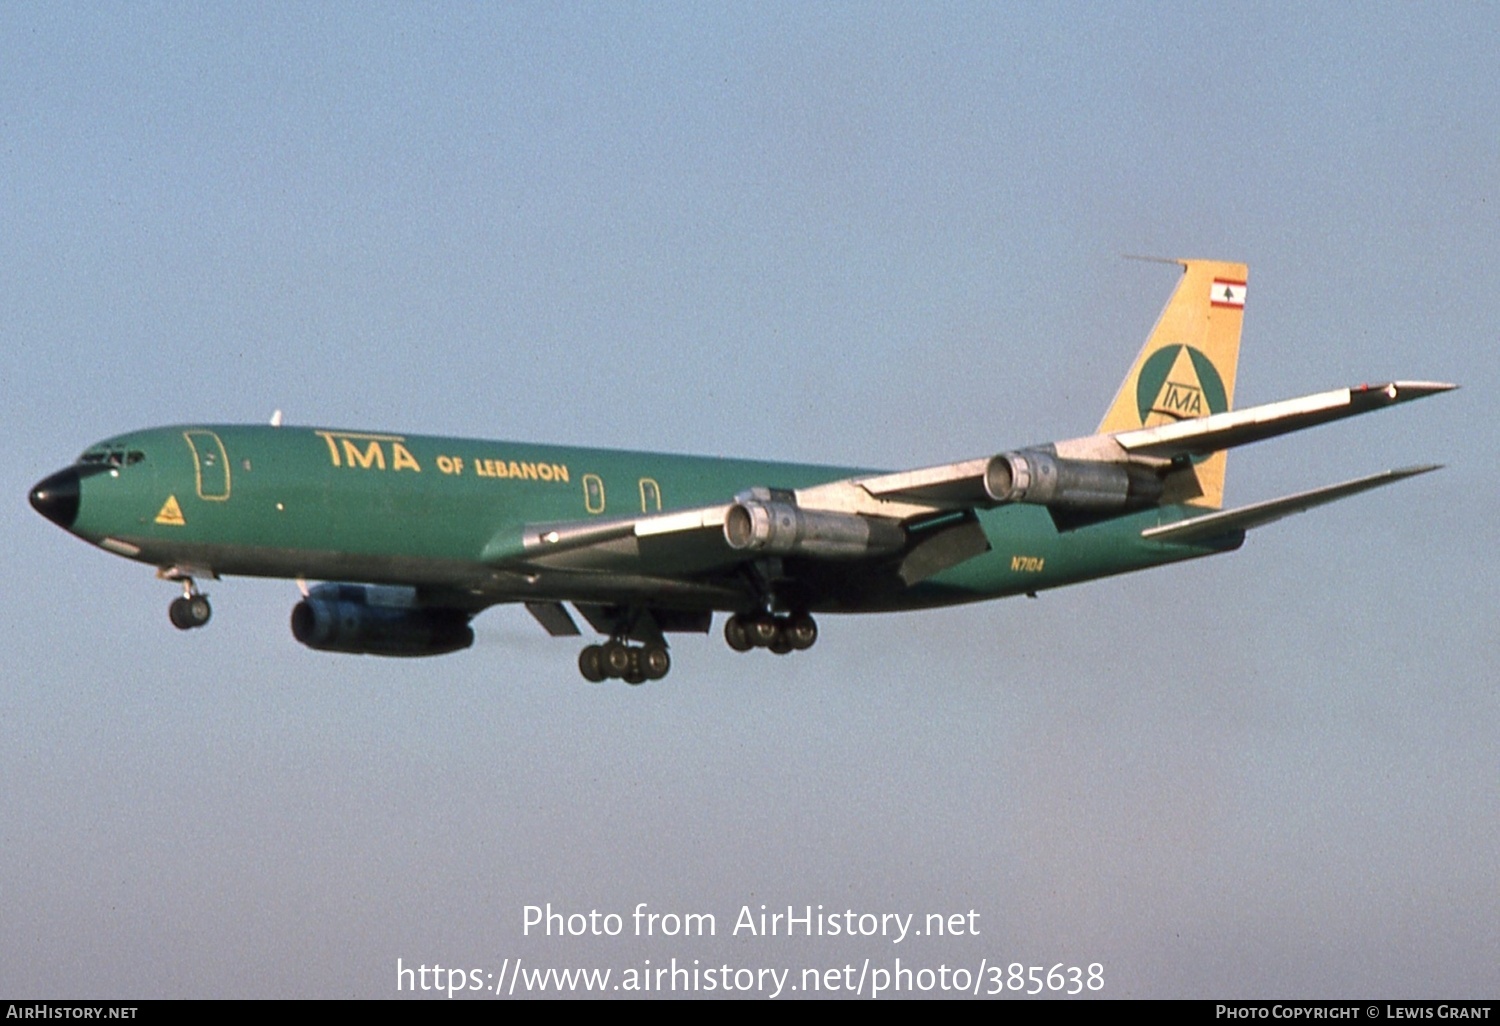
x=917, y=523
x=1114, y=471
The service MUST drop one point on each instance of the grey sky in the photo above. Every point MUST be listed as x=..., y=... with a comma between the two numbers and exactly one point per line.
x=869, y=234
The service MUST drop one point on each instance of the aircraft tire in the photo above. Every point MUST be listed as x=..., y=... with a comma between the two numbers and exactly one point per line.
x=763, y=631
x=198, y=610
x=636, y=675
x=616, y=659
x=187, y=613
x=655, y=662
x=591, y=664
x=802, y=632
x=737, y=634
x=177, y=612
x=781, y=644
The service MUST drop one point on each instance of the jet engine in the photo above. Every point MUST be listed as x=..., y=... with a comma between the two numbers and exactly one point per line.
x=1041, y=478
x=366, y=619
x=772, y=524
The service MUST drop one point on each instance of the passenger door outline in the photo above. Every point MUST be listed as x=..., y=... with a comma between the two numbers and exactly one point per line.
x=211, y=464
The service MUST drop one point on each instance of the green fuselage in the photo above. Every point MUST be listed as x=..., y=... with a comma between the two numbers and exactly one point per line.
x=384, y=508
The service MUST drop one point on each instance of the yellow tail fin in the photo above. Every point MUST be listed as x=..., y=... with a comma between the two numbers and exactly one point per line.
x=1186, y=368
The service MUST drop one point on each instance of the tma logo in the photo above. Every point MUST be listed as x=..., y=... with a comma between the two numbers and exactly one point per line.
x=1178, y=383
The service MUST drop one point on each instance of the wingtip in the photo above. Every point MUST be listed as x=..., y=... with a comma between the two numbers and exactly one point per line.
x=1403, y=391
x=1421, y=468
x=1418, y=389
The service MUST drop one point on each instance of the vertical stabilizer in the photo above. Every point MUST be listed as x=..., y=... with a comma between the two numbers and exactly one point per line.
x=1186, y=368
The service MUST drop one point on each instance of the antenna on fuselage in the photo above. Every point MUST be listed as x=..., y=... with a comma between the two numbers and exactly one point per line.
x=276, y=419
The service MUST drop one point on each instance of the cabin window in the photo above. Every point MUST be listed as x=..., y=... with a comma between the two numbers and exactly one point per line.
x=650, y=496
x=593, y=493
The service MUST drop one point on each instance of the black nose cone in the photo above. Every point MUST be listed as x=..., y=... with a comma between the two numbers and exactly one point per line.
x=56, y=498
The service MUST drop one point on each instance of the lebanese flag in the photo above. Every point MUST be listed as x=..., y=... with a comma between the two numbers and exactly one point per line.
x=1227, y=293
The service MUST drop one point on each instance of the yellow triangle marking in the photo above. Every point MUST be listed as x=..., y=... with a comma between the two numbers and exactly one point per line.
x=171, y=513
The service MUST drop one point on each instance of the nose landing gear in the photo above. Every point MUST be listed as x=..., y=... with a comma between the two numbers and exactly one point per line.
x=190, y=611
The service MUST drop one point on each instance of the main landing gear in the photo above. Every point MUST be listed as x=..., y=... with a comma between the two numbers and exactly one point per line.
x=781, y=634
x=190, y=611
x=634, y=664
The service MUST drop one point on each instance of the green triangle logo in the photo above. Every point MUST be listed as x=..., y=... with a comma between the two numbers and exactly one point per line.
x=1178, y=383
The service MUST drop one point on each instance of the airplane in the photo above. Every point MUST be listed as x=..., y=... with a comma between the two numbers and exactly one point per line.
x=418, y=535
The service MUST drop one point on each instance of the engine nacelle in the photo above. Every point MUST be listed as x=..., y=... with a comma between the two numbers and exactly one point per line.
x=364, y=619
x=1046, y=480
x=779, y=527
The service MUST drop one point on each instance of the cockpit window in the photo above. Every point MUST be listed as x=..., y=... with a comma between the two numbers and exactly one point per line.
x=111, y=458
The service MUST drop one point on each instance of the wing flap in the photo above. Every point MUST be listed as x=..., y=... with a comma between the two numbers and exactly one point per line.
x=1214, y=525
x=951, y=484
x=553, y=616
x=943, y=546
x=682, y=541
x=534, y=541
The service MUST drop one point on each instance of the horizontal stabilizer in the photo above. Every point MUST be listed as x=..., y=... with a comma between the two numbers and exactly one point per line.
x=1203, y=435
x=1214, y=525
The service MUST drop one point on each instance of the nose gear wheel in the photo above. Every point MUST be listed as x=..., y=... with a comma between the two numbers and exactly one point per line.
x=190, y=611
